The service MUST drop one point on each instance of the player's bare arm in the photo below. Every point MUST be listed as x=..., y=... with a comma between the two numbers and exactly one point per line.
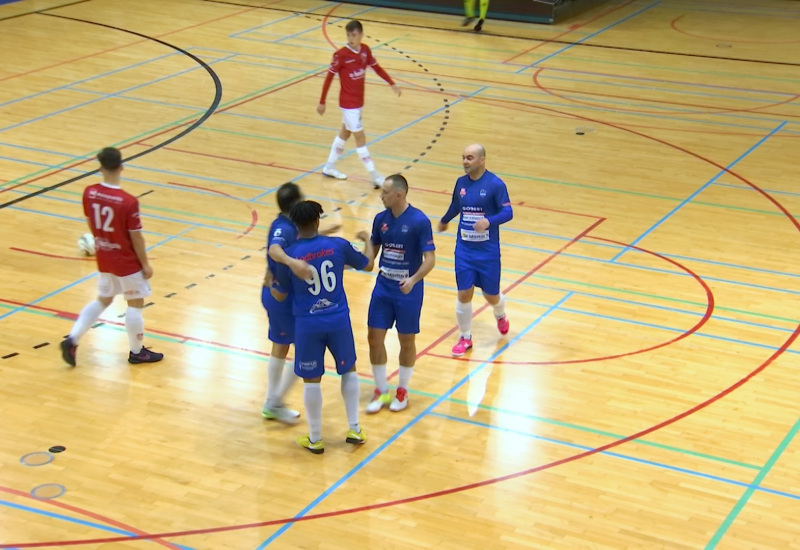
x=140, y=248
x=428, y=261
x=298, y=267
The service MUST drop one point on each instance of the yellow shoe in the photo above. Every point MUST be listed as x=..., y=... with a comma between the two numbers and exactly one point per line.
x=317, y=447
x=379, y=400
x=356, y=438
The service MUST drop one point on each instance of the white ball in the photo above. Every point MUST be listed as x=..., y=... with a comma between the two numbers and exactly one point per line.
x=86, y=244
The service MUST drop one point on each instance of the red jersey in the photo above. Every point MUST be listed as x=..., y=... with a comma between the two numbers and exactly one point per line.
x=112, y=213
x=351, y=66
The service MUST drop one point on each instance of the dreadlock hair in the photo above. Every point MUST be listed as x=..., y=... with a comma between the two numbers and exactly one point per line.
x=305, y=214
x=288, y=195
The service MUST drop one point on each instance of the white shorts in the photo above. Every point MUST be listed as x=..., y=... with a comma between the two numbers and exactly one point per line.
x=351, y=118
x=132, y=286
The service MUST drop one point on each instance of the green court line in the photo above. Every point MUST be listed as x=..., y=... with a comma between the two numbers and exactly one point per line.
x=764, y=470
x=559, y=423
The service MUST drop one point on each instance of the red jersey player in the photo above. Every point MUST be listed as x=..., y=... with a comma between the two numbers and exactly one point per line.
x=351, y=63
x=113, y=217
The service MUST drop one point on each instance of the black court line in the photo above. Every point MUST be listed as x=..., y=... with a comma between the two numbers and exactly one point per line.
x=143, y=194
x=34, y=12
x=515, y=37
x=193, y=126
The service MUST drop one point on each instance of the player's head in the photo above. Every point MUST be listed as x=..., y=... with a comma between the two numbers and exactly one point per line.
x=110, y=161
x=355, y=32
x=288, y=195
x=394, y=190
x=474, y=159
x=306, y=215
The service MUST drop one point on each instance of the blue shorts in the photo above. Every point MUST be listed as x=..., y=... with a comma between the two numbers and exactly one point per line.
x=483, y=274
x=386, y=308
x=311, y=341
x=281, y=320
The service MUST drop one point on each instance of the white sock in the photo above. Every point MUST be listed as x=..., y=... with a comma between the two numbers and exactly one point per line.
x=405, y=376
x=312, y=399
x=366, y=159
x=274, y=372
x=350, y=394
x=336, y=149
x=464, y=318
x=379, y=372
x=89, y=314
x=500, y=307
x=134, y=326
x=288, y=378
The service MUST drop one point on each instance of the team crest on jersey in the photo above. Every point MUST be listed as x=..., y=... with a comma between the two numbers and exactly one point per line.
x=483, y=192
x=384, y=228
x=462, y=192
x=404, y=229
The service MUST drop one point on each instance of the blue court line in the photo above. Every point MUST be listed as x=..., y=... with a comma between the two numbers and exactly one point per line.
x=756, y=484
x=535, y=285
x=688, y=199
x=505, y=245
x=629, y=458
x=330, y=22
x=84, y=104
x=589, y=36
x=411, y=423
x=376, y=140
x=83, y=81
x=78, y=521
x=85, y=278
x=676, y=82
x=270, y=23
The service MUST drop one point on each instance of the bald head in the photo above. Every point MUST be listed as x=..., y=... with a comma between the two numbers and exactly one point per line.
x=474, y=161
x=476, y=149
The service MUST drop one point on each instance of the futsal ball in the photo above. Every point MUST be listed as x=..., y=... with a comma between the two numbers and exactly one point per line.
x=86, y=244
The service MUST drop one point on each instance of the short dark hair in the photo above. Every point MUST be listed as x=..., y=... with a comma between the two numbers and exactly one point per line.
x=354, y=25
x=305, y=213
x=399, y=182
x=288, y=195
x=110, y=158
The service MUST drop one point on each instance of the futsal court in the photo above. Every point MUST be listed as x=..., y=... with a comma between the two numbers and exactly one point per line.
x=646, y=396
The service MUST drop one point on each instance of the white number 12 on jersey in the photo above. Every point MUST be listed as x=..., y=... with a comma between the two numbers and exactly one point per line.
x=103, y=218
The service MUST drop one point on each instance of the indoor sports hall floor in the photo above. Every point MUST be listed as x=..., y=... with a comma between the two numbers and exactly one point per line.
x=647, y=395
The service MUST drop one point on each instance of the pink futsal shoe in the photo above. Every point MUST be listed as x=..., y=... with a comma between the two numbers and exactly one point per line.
x=503, y=325
x=462, y=346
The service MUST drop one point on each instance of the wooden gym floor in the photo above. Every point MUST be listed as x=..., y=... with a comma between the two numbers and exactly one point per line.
x=646, y=396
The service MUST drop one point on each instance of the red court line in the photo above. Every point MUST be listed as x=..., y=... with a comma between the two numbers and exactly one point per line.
x=674, y=25
x=713, y=111
x=253, y=213
x=568, y=31
x=512, y=286
x=697, y=326
x=129, y=44
x=50, y=255
x=713, y=399
x=89, y=514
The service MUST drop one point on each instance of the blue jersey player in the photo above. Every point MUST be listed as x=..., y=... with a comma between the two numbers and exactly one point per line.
x=280, y=376
x=322, y=318
x=482, y=200
x=407, y=256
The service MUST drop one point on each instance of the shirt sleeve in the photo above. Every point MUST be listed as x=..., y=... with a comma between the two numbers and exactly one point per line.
x=353, y=257
x=502, y=203
x=282, y=278
x=372, y=62
x=336, y=65
x=278, y=237
x=453, y=210
x=425, y=235
x=376, y=236
x=133, y=221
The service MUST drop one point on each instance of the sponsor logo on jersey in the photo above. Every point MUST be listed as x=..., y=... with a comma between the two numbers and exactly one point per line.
x=404, y=229
x=358, y=74
x=323, y=304
x=462, y=192
x=384, y=228
x=319, y=254
x=483, y=192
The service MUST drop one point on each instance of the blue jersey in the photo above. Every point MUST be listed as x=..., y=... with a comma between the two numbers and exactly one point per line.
x=486, y=197
x=320, y=300
x=403, y=241
x=283, y=233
